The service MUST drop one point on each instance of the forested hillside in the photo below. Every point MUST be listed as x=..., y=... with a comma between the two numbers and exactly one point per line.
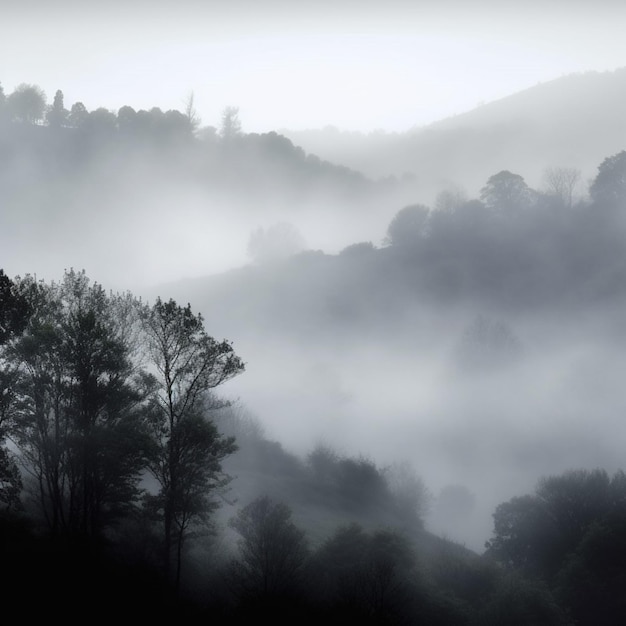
x=157, y=188
x=417, y=421
x=572, y=121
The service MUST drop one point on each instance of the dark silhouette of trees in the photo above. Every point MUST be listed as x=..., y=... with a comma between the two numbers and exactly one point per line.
x=272, y=551
x=517, y=600
x=14, y=314
x=408, y=225
x=571, y=536
x=592, y=580
x=57, y=114
x=536, y=533
x=187, y=451
x=78, y=115
x=14, y=309
x=506, y=191
x=365, y=576
x=78, y=424
x=609, y=185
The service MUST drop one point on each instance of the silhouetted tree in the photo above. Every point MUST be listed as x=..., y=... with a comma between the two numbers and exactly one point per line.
x=412, y=499
x=408, y=225
x=505, y=190
x=450, y=199
x=127, y=120
x=78, y=115
x=57, y=114
x=272, y=550
x=101, y=122
x=191, y=114
x=517, y=601
x=79, y=426
x=536, y=533
x=186, y=450
x=14, y=315
x=27, y=103
x=14, y=309
x=592, y=580
x=609, y=185
x=365, y=576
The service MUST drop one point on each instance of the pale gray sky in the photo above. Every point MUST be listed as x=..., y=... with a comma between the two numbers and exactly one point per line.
x=298, y=64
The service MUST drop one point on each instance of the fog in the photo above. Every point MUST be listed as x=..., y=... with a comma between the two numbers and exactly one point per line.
x=402, y=398
x=382, y=379
x=357, y=368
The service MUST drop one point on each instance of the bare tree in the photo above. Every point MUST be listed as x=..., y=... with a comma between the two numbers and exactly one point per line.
x=561, y=183
x=272, y=549
x=191, y=113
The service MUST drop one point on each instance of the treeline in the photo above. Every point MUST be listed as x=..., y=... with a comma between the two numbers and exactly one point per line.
x=54, y=140
x=519, y=247
x=556, y=558
x=512, y=251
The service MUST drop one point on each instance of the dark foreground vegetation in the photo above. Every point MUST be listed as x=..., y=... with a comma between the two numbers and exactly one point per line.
x=116, y=452
x=130, y=488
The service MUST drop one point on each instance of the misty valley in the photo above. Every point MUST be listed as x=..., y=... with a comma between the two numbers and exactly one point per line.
x=314, y=377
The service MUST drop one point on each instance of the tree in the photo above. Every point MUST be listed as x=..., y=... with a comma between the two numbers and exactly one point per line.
x=412, y=498
x=231, y=125
x=191, y=114
x=609, y=185
x=408, y=225
x=516, y=601
x=536, y=533
x=57, y=114
x=272, y=550
x=186, y=450
x=561, y=183
x=14, y=309
x=279, y=241
x=79, y=426
x=505, y=191
x=365, y=576
x=450, y=199
x=523, y=535
x=78, y=115
x=14, y=315
x=27, y=104
x=101, y=122
x=592, y=581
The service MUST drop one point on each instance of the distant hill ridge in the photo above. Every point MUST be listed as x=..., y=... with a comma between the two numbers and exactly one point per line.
x=572, y=121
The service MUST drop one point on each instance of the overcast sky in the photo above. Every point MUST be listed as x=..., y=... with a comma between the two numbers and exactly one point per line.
x=357, y=65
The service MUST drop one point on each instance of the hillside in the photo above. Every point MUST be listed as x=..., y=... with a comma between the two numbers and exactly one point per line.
x=572, y=121
x=120, y=188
